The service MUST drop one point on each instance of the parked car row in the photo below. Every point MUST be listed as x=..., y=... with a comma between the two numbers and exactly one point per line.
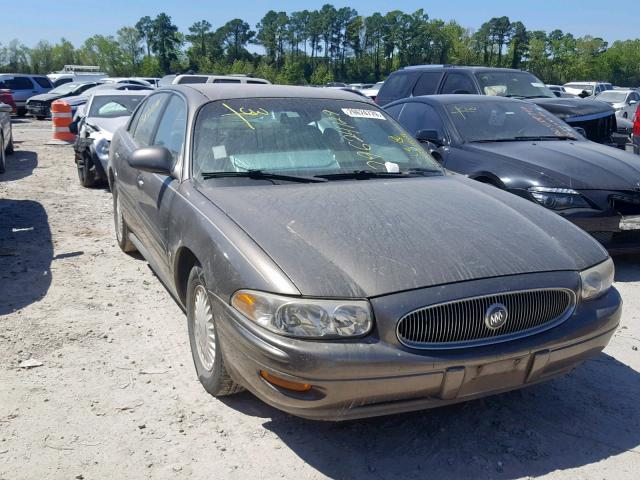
x=330, y=262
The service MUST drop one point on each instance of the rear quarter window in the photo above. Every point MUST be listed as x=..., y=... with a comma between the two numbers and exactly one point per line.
x=192, y=79
x=43, y=82
x=397, y=86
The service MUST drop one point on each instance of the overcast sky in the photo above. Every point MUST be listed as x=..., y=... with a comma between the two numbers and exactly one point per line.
x=76, y=20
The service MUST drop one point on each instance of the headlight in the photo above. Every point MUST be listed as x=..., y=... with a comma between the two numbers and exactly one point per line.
x=302, y=317
x=102, y=148
x=558, y=198
x=597, y=280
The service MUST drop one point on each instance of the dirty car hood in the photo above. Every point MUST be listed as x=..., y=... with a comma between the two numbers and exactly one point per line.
x=579, y=165
x=374, y=237
x=572, y=109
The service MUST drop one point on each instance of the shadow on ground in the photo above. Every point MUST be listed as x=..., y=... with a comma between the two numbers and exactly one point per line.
x=580, y=419
x=627, y=268
x=19, y=165
x=26, y=253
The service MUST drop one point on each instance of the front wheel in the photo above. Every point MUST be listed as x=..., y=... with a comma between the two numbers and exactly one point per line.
x=122, y=230
x=86, y=174
x=204, y=338
x=9, y=148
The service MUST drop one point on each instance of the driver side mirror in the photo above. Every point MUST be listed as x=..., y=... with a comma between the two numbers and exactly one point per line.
x=581, y=131
x=430, y=136
x=153, y=160
x=632, y=102
x=584, y=94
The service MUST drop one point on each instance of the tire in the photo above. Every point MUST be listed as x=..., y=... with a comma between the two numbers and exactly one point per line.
x=122, y=230
x=21, y=112
x=3, y=159
x=210, y=367
x=9, y=148
x=86, y=174
x=40, y=117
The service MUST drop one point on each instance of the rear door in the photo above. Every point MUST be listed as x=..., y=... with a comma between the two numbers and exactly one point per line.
x=156, y=190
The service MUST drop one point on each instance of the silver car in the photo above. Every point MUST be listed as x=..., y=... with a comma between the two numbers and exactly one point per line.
x=625, y=102
x=24, y=87
x=6, y=134
x=104, y=113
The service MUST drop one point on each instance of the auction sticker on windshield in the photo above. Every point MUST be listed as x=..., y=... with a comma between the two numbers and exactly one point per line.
x=360, y=113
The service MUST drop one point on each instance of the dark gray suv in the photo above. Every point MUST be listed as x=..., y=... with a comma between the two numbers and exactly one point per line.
x=596, y=120
x=330, y=266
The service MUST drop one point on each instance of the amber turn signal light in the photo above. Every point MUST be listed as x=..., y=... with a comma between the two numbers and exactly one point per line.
x=286, y=384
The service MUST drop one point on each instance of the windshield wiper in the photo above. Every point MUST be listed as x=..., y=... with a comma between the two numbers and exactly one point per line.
x=547, y=137
x=262, y=175
x=525, y=139
x=367, y=174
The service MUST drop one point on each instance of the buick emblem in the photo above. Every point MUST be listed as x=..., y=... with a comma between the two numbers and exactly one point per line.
x=496, y=316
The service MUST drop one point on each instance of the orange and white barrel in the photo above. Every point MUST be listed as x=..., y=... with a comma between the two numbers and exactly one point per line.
x=61, y=117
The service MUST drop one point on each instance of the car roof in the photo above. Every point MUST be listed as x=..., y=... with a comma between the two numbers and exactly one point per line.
x=221, y=91
x=460, y=67
x=456, y=98
x=120, y=93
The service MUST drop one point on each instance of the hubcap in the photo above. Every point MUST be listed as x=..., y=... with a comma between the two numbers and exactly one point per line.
x=205, y=333
x=119, y=220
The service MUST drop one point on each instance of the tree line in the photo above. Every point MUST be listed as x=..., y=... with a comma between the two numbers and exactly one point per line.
x=332, y=44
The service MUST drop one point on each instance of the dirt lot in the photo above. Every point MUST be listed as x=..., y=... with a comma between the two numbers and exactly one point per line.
x=116, y=395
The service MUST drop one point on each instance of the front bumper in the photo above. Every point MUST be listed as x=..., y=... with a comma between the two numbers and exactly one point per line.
x=38, y=110
x=375, y=376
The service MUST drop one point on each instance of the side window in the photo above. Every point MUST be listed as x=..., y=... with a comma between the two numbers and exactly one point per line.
x=86, y=86
x=395, y=110
x=458, y=83
x=43, y=82
x=420, y=116
x=428, y=84
x=397, y=86
x=172, y=127
x=148, y=118
x=17, y=83
x=192, y=79
x=226, y=80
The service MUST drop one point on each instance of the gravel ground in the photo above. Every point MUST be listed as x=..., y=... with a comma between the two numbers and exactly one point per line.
x=112, y=392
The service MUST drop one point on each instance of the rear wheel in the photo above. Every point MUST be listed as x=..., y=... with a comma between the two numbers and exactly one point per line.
x=122, y=231
x=204, y=338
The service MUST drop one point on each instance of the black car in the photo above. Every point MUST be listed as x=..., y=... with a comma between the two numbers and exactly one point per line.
x=40, y=105
x=338, y=272
x=520, y=147
x=597, y=119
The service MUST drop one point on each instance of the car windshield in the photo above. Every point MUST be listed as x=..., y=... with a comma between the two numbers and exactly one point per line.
x=300, y=136
x=512, y=84
x=499, y=121
x=612, y=96
x=111, y=106
x=66, y=88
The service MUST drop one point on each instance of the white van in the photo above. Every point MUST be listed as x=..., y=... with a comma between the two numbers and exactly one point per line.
x=76, y=73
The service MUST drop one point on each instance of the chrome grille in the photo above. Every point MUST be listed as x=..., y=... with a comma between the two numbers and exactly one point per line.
x=461, y=323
